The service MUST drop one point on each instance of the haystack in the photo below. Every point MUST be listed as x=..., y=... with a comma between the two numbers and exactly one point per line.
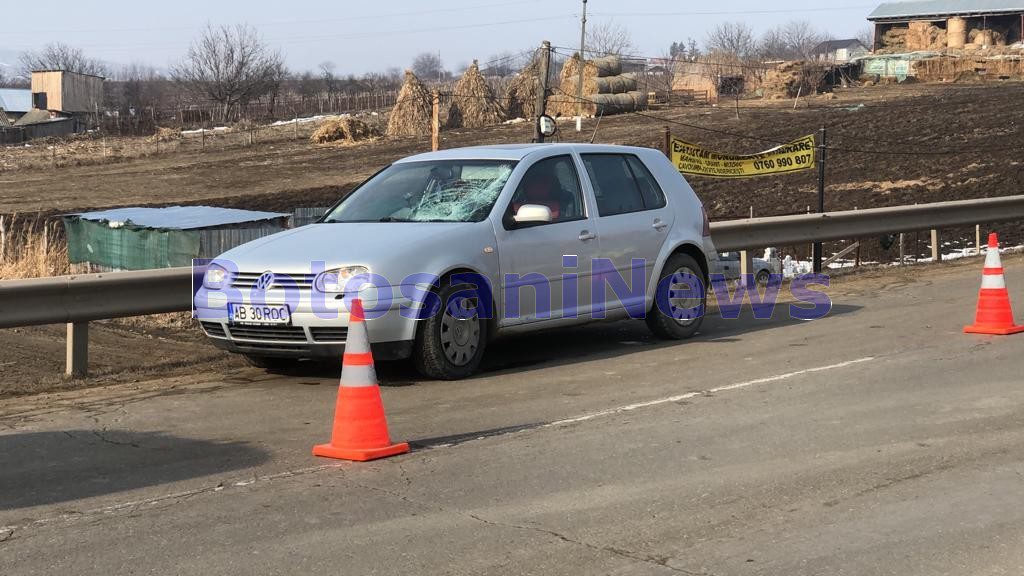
x=163, y=134
x=473, y=103
x=521, y=96
x=411, y=115
x=343, y=128
x=606, y=90
x=789, y=79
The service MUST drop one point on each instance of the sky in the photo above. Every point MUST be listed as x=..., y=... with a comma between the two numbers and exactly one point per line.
x=361, y=37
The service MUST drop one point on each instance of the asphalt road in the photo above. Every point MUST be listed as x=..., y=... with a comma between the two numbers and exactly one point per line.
x=880, y=440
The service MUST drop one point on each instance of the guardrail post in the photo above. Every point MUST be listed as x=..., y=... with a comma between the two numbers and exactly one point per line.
x=936, y=249
x=78, y=350
x=977, y=237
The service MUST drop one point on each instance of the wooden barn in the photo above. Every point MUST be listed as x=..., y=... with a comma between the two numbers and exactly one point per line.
x=67, y=92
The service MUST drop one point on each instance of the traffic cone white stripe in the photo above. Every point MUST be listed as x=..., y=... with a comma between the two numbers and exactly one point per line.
x=358, y=376
x=992, y=259
x=993, y=282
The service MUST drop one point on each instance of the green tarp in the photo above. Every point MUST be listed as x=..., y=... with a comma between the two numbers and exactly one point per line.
x=128, y=247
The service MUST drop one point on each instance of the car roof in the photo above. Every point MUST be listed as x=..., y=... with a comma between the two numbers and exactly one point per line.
x=515, y=151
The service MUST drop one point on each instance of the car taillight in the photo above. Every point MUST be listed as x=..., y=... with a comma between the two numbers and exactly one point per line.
x=707, y=222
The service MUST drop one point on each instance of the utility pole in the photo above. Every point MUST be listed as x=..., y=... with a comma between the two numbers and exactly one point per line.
x=542, y=94
x=817, y=249
x=583, y=48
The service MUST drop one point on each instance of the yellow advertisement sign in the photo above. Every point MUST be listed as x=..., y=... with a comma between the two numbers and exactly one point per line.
x=793, y=157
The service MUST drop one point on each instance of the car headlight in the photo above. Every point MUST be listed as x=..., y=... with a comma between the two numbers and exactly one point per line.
x=335, y=281
x=215, y=277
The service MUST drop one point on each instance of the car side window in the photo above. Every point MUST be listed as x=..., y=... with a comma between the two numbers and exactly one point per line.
x=619, y=187
x=552, y=182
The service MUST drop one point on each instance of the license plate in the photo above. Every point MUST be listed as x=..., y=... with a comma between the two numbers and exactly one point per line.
x=253, y=314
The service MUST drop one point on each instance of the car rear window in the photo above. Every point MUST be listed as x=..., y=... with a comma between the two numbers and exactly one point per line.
x=622, y=184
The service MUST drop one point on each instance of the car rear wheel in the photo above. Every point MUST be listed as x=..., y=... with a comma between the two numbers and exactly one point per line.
x=450, y=342
x=680, y=300
x=272, y=363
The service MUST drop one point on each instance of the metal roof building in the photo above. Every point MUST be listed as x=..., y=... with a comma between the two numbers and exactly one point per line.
x=952, y=24
x=943, y=9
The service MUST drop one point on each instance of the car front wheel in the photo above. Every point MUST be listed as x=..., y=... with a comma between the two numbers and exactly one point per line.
x=451, y=340
x=680, y=300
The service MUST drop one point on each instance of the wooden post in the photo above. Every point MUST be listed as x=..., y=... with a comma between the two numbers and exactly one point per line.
x=77, y=365
x=668, y=142
x=936, y=249
x=3, y=240
x=435, y=123
x=747, y=269
x=542, y=93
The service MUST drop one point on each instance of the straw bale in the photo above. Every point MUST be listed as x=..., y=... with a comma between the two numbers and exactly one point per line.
x=343, y=128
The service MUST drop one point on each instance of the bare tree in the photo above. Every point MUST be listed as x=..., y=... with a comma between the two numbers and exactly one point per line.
x=866, y=35
x=10, y=81
x=428, y=66
x=734, y=38
x=802, y=37
x=609, y=37
x=327, y=76
x=772, y=46
x=60, y=56
x=230, y=66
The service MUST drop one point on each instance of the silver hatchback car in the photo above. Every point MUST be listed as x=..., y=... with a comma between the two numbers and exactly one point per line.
x=451, y=249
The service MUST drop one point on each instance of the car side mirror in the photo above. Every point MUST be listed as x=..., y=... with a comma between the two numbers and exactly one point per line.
x=532, y=214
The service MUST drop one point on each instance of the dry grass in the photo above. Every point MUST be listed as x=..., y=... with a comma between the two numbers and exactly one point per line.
x=412, y=115
x=473, y=102
x=344, y=129
x=31, y=249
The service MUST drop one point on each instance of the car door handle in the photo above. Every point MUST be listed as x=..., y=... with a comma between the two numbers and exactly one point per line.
x=659, y=225
x=587, y=235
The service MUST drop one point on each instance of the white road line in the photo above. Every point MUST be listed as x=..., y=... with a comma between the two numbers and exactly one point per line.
x=688, y=395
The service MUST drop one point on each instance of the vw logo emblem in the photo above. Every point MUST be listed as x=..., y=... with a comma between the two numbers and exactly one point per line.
x=265, y=281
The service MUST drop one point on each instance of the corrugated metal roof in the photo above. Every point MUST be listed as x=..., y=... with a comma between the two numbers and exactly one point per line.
x=923, y=8
x=15, y=99
x=180, y=217
x=833, y=45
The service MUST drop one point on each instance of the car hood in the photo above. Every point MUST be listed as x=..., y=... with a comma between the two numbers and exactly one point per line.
x=385, y=248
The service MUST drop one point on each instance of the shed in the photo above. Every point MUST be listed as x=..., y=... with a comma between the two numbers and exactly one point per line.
x=144, y=238
x=941, y=24
x=65, y=91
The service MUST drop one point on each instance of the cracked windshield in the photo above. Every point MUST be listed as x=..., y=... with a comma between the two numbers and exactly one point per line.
x=439, y=191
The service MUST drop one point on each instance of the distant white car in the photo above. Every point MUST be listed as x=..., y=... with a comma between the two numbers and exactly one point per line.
x=451, y=249
x=728, y=265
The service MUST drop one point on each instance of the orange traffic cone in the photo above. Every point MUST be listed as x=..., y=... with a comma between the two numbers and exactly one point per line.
x=360, y=430
x=994, y=313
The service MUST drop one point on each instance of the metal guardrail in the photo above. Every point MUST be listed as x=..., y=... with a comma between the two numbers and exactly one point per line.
x=807, y=228
x=77, y=300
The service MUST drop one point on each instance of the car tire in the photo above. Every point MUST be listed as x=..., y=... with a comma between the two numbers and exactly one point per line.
x=447, y=347
x=666, y=326
x=272, y=363
x=763, y=277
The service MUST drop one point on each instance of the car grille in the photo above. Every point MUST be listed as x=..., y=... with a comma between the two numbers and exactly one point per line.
x=282, y=281
x=269, y=333
x=214, y=329
x=331, y=334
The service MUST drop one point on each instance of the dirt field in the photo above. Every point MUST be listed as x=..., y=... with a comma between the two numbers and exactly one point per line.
x=980, y=123
x=883, y=138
